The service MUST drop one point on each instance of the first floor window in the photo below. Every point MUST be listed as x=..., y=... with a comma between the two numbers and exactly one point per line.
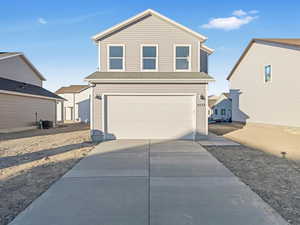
x=223, y=112
x=268, y=73
x=116, y=57
x=216, y=111
x=149, y=57
x=182, y=58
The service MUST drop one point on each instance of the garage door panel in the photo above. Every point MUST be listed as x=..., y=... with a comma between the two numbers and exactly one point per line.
x=133, y=117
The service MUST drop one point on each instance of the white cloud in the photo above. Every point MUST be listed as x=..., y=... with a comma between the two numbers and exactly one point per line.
x=253, y=12
x=42, y=21
x=239, y=18
x=239, y=12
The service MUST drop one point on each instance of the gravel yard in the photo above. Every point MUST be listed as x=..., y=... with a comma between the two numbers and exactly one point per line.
x=31, y=161
x=274, y=179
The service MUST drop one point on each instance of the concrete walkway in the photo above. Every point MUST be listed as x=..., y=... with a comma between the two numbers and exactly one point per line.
x=149, y=183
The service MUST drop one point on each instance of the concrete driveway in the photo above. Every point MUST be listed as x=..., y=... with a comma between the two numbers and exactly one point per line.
x=146, y=182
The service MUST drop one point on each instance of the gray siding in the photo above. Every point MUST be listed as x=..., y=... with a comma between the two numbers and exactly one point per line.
x=201, y=118
x=18, y=111
x=16, y=69
x=276, y=102
x=203, y=61
x=150, y=30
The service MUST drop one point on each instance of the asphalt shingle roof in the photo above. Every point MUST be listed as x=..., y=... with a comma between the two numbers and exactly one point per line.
x=149, y=75
x=71, y=89
x=25, y=88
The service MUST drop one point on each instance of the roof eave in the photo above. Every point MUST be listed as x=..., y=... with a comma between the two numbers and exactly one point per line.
x=150, y=80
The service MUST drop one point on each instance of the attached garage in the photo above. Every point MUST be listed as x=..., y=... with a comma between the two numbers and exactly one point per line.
x=149, y=116
x=148, y=105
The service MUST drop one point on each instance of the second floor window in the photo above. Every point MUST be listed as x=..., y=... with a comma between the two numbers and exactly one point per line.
x=223, y=112
x=149, y=57
x=182, y=58
x=116, y=57
x=268, y=73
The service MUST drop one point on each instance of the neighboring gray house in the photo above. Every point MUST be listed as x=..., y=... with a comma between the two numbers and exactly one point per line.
x=152, y=81
x=219, y=107
x=23, y=100
x=264, y=83
x=77, y=105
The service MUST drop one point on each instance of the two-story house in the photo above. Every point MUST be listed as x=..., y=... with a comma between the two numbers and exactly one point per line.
x=219, y=107
x=152, y=81
x=76, y=106
x=23, y=100
x=264, y=83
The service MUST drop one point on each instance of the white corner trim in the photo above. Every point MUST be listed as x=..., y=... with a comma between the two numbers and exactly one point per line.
x=123, y=60
x=28, y=95
x=189, y=58
x=91, y=108
x=141, y=57
x=141, y=15
x=99, y=56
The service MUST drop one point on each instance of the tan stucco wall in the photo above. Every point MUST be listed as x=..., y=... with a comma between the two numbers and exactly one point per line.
x=199, y=89
x=18, y=111
x=15, y=68
x=151, y=30
x=276, y=102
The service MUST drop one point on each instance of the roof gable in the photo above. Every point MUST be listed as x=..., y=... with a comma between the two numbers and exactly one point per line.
x=139, y=17
x=294, y=42
x=7, y=55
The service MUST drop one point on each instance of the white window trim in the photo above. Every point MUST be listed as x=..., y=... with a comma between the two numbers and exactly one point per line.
x=189, y=58
x=267, y=82
x=107, y=58
x=141, y=57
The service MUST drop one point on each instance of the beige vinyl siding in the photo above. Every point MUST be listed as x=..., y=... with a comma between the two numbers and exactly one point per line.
x=99, y=89
x=150, y=30
x=18, y=111
x=15, y=68
x=276, y=102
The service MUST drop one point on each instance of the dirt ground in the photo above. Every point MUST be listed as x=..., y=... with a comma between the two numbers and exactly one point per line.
x=274, y=179
x=268, y=138
x=31, y=161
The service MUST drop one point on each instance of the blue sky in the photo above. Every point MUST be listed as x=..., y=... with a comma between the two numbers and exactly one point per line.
x=55, y=35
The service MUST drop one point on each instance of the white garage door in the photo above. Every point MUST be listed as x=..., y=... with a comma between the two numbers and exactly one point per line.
x=153, y=117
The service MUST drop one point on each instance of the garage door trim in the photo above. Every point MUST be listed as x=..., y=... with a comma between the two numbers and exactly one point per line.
x=104, y=99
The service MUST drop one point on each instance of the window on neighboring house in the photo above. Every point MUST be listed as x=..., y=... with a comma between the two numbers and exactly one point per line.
x=223, y=112
x=268, y=73
x=216, y=111
x=116, y=57
x=182, y=58
x=149, y=57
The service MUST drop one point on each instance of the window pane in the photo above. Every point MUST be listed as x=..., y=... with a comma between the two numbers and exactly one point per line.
x=182, y=64
x=116, y=64
x=149, y=51
x=149, y=64
x=115, y=51
x=267, y=73
x=182, y=51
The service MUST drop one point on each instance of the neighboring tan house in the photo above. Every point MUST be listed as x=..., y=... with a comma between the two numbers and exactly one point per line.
x=152, y=81
x=264, y=83
x=77, y=104
x=219, y=107
x=23, y=100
